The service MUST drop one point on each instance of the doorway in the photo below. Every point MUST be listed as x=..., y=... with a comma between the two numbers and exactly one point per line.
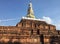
x=41, y=39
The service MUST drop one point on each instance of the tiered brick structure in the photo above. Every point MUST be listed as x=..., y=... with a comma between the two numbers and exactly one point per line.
x=30, y=31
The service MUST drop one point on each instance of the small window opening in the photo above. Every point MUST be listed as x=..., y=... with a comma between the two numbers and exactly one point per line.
x=31, y=31
x=38, y=32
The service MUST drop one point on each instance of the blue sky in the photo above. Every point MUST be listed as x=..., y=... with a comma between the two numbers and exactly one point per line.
x=11, y=11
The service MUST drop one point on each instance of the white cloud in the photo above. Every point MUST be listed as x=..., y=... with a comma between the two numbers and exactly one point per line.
x=57, y=24
x=47, y=19
x=53, y=22
x=5, y=20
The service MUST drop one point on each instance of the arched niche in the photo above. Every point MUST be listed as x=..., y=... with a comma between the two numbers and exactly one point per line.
x=41, y=26
x=46, y=27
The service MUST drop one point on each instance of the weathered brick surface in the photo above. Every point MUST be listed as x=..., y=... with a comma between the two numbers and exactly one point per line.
x=30, y=32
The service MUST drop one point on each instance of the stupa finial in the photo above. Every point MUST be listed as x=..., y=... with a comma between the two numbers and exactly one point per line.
x=30, y=13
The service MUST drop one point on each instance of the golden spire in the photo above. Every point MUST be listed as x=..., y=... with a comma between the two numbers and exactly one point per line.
x=30, y=13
